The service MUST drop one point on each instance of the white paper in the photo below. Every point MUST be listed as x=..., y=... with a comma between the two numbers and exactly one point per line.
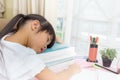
x=58, y=54
x=87, y=74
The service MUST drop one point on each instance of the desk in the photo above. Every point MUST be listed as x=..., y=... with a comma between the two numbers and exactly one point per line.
x=89, y=72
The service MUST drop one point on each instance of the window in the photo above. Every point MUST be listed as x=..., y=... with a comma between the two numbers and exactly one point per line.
x=60, y=18
x=96, y=18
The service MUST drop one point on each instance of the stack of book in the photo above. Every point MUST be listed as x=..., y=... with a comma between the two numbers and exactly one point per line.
x=58, y=57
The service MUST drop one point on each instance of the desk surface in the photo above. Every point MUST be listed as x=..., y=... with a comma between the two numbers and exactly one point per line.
x=89, y=72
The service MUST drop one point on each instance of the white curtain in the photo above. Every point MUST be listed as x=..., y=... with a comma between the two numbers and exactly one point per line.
x=93, y=17
x=2, y=7
x=29, y=7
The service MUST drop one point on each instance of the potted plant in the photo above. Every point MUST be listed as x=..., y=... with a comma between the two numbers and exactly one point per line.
x=108, y=54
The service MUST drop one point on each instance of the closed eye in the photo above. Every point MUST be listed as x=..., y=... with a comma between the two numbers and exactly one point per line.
x=48, y=40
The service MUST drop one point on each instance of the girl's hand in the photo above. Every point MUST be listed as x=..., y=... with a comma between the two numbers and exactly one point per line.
x=58, y=40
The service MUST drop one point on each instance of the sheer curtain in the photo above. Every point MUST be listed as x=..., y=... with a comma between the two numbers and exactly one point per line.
x=93, y=17
x=29, y=6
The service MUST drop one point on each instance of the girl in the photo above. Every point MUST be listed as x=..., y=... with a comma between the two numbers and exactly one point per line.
x=20, y=40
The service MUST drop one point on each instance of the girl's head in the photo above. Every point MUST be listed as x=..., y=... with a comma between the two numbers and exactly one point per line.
x=40, y=33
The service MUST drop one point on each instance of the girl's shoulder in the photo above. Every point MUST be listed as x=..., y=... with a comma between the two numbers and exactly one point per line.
x=15, y=47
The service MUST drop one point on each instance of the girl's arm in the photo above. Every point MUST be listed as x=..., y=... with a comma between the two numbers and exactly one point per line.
x=47, y=74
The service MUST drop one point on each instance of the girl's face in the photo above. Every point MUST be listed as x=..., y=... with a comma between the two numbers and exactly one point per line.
x=39, y=41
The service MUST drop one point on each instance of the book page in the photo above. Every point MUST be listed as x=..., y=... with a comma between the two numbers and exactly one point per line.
x=58, y=54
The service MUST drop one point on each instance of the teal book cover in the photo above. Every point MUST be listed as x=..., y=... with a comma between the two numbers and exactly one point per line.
x=55, y=47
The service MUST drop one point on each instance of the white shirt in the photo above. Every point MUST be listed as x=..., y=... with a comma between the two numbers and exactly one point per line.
x=19, y=62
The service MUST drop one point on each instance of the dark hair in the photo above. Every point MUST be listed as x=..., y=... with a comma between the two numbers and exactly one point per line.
x=20, y=19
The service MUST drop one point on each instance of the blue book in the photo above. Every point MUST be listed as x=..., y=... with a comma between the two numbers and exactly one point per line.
x=55, y=47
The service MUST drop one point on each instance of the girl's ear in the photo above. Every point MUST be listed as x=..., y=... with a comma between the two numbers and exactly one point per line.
x=35, y=25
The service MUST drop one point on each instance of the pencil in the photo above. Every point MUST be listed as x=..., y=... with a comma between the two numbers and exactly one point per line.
x=106, y=69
